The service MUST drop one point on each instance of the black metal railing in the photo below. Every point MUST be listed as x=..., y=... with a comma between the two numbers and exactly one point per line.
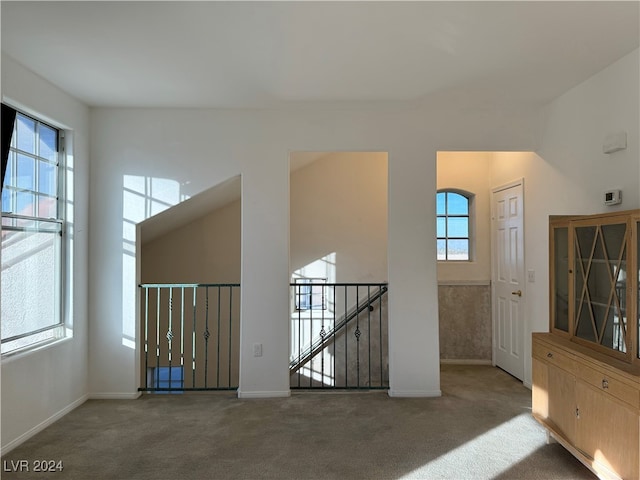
x=339, y=335
x=191, y=336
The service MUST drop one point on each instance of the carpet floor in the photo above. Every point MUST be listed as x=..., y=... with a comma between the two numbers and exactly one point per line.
x=480, y=428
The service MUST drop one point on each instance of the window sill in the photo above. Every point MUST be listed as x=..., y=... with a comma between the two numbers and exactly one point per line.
x=33, y=349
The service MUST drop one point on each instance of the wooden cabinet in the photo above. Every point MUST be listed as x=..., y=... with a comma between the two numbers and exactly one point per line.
x=586, y=371
x=589, y=405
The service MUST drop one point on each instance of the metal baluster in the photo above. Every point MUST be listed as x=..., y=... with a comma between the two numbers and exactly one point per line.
x=193, y=340
x=146, y=338
x=322, y=334
x=169, y=332
x=182, y=337
x=380, y=347
x=333, y=366
x=299, y=305
x=157, y=372
x=369, y=328
x=218, y=346
x=230, y=328
x=310, y=334
x=357, y=334
x=206, y=339
x=346, y=346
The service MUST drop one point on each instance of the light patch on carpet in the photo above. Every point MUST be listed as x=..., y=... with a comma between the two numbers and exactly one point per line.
x=509, y=443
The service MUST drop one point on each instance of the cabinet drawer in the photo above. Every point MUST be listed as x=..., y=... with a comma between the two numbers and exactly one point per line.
x=553, y=356
x=610, y=384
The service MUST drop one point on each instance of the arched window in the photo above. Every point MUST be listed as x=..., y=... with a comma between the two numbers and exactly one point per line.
x=453, y=226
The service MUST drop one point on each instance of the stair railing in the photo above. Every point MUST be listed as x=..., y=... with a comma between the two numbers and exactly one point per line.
x=356, y=352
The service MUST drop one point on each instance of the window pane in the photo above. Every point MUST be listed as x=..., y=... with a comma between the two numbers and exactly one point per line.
x=26, y=173
x=440, y=204
x=458, y=227
x=29, y=270
x=47, y=207
x=26, y=134
x=48, y=143
x=442, y=249
x=25, y=204
x=47, y=178
x=8, y=174
x=441, y=231
x=458, y=250
x=457, y=204
x=6, y=200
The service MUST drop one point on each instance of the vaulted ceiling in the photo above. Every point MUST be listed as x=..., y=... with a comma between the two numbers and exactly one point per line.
x=287, y=54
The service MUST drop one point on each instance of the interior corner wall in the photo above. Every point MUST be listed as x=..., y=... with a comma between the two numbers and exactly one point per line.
x=569, y=173
x=339, y=205
x=41, y=385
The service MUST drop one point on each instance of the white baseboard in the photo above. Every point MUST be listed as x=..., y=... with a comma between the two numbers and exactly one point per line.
x=462, y=361
x=414, y=393
x=274, y=394
x=41, y=426
x=114, y=396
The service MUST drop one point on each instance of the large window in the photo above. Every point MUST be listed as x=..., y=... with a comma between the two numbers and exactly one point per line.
x=32, y=230
x=453, y=226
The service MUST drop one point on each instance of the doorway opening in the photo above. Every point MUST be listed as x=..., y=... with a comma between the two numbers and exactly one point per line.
x=474, y=323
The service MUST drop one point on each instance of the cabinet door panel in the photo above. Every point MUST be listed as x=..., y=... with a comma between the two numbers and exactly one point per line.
x=562, y=412
x=607, y=431
x=540, y=388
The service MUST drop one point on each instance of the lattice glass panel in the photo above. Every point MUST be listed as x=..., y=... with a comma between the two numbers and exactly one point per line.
x=600, y=281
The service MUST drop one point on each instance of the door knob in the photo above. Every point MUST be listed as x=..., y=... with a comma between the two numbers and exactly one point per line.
x=517, y=292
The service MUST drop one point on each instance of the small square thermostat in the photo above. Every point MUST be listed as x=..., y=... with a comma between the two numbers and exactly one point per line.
x=613, y=197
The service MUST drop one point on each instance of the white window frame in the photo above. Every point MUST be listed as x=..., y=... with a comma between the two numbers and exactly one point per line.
x=470, y=216
x=56, y=330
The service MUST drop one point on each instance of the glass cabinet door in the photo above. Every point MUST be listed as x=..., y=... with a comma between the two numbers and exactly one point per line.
x=560, y=296
x=600, y=281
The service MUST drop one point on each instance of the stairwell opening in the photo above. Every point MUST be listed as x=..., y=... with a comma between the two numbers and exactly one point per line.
x=190, y=293
x=338, y=270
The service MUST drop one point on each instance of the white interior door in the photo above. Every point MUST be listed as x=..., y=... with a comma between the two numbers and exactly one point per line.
x=508, y=278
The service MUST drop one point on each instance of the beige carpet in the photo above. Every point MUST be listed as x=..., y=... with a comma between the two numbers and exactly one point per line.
x=481, y=428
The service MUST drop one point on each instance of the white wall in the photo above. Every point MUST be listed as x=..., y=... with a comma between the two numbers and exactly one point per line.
x=339, y=205
x=41, y=385
x=568, y=174
x=197, y=148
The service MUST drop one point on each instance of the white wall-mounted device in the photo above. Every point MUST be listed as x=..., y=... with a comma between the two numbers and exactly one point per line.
x=613, y=197
x=614, y=142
